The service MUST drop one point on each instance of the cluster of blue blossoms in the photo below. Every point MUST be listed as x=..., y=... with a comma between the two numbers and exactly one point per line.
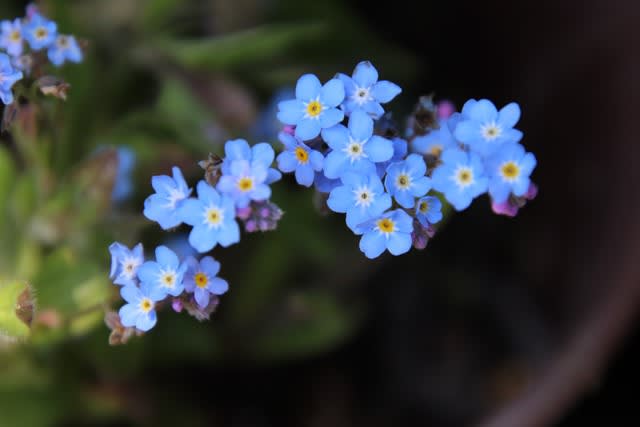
x=390, y=196
x=236, y=189
x=30, y=41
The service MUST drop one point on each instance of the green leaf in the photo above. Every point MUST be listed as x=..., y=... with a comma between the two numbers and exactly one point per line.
x=7, y=178
x=240, y=48
x=12, y=327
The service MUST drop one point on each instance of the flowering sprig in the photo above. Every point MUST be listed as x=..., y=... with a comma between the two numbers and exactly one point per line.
x=453, y=157
x=234, y=189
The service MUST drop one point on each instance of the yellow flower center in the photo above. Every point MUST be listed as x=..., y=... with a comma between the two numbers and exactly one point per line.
x=201, y=280
x=214, y=216
x=302, y=155
x=464, y=176
x=510, y=171
x=314, y=108
x=386, y=225
x=245, y=184
x=146, y=305
x=168, y=279
x=436, y=150
x=15, y=36
x=403, y=181
x=62, y=41
x=41, y=33
x=424, y=207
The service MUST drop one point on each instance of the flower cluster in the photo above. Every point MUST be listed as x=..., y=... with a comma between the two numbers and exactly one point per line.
x=236, y=188
x=30, y=42
x=338, y=138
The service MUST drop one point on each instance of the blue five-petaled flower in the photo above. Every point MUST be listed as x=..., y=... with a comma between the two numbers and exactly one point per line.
x=139, y=312
x=40, y=32
x=428, y=210
x=213, y=219
x=364, y=92
x=300, y=158
x=355, y=148
x=315, y=106
x=8, y=77
x=65, y=48
x=406, y=180
x=11, y=37
x=509, y=169
x=460, y=177
x=162, y=206
x=201, y=279
x=165, y=273
x=125, y=263
x=391, y=231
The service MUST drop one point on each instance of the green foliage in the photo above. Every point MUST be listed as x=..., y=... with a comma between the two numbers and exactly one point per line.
x=12, y=327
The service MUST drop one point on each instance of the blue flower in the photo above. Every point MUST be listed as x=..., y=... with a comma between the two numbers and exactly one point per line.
x=460, y=177
x=123, y=187
x=244, y=183
x=162, y=206
x=11, y=37
x=8, y=77
x=484, y=129
x=165, y=273
x=361, y=197
x=125, y=263
x=300, y=158
x=364, y=92
x=262, y=154
x=428, y=210
x=314, y=107
x=201, y=280
x=213, y=219
x=406, y=180
x=392, y=231
x=509, y=169
x=400, y=149
x=323, y=184
x=39, y=32
x=140, y=311
x=355, y=148
x=438, y=140
x=65, y=48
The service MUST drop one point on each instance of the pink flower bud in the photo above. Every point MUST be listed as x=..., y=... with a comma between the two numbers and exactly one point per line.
x=444, y=109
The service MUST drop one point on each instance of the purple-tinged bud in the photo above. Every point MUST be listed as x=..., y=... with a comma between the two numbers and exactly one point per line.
x=265, y=225
x=445, y=109
x=291, y=130
x=511, y=206
x=265, y=212
x=250, y=226
x=202, y=313
x=532, y=192
x=420, y=235
x=243, y=213
x=32, y=10
x=504, y=208
x=177, y=305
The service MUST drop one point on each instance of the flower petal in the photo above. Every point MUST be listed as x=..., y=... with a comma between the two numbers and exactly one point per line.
x=384, y=91
x=308, y=87
x=365, y=74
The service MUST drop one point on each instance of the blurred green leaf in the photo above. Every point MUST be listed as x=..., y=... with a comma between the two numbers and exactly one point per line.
x=7, y=178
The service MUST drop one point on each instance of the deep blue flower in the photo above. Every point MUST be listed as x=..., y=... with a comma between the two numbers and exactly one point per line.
x=428, y=210
x=314, y=108
x=392, y=231
x=406, y=180
x=65, y=48
x=509, y=169
x=8, y=77
x=438, y=140
x=201, y=280
x=400, y=149
x=39, y=32
x=213, y=219
x=354, y=148
x=364, y=92
x=125, y=263
x=460, y=177
x=11, y=37
x=298, y=157
x=361, y=197
x=139, y=312
x=162, y=206
x=166, y=273
x=484, y=129
x=123, y=187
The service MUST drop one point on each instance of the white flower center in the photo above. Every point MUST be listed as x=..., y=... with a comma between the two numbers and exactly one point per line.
x=41, y=33
x=168, y=279
x=363, y=196
x=146, y=305
x=62, y=42
x=490, y=131
x=362, y=95
x=175, y=195
x=354, y=150
x=463, y=177
x=213, y=217
x=403, y=181
x=130, y=266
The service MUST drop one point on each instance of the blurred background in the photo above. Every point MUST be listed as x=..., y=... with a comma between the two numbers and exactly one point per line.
x=529, y=321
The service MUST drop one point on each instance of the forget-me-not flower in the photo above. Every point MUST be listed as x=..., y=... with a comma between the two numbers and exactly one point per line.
x=65, y=48
x=355, y=148
x=298, y=157
x=392, y=231
x=364, y=92
x=428, y=210
x=125, y=263
x=406, y=180
x=8, y=77
x=509, y=169
x=122, y=186
x=39, y=32
x=400, y=149
x=361, y=197
x=261, y=153
x=162, y=206
x=484, y=129
x=438, y=140
x=460, y=177
x=139, y=312
x=11, y=37
x=314, y=108
x=201, y=280
x=165, y=273
x=213, y=219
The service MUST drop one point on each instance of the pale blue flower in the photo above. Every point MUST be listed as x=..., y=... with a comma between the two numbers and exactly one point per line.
x=201, y=280
x=299, y=158
x=65, y=48
x=390, y=231
x=11, y=37
x=166, y=273
x=139, y=312
x=162, y=206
